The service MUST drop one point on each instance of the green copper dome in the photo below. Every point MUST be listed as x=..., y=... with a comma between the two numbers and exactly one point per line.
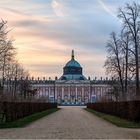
x=72, y=70
x=72, y=62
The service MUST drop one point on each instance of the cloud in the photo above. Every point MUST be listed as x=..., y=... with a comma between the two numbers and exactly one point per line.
x=45, y=32
x=57, y=7
x=107, y=8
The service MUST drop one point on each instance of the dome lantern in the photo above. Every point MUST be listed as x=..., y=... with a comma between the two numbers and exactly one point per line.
x=72, y=54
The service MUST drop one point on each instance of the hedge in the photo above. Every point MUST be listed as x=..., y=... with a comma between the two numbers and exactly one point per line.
x=129, y=110
x=15, y=110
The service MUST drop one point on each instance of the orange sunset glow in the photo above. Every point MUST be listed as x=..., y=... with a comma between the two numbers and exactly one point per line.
x=45, y=32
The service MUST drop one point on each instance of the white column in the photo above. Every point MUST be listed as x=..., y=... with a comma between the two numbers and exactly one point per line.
x=62, y=93
x=56, y=92
x=89, y=94
x=83, y=92
x=76, y=93
x=69, y=92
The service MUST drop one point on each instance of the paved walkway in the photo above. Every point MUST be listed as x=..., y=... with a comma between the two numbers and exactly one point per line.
x=70, y=123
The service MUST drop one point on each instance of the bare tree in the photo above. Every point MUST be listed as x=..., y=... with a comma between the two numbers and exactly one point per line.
x=10, y=69
x=7, y=56
x=125, y=39
x=124, y=51
x=15, y=70
x=7, y=50
x=130, y=16
x=115, y=63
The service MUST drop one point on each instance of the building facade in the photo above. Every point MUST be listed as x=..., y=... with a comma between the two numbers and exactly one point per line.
x=72, y=88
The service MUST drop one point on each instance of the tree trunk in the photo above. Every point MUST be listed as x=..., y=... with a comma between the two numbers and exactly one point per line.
x=137, y=73
x=126, y=68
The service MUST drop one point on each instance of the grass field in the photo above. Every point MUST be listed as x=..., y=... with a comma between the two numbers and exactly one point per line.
x=28, y=119
x=115, y=120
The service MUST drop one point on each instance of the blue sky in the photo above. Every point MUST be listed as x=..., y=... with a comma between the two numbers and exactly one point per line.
x=45, y=32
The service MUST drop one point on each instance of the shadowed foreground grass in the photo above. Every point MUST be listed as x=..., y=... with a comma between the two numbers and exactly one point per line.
x=28, y=119
x=115, y=120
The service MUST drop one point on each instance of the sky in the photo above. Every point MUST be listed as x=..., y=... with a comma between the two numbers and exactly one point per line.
x=46, y=31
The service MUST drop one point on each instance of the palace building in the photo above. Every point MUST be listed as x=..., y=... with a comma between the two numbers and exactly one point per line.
x=72, y=88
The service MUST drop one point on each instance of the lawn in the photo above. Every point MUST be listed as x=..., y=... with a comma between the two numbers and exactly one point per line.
x=28, y=119
x=115, y=120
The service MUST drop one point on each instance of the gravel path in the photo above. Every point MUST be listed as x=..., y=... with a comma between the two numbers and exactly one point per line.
x=70, y=123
